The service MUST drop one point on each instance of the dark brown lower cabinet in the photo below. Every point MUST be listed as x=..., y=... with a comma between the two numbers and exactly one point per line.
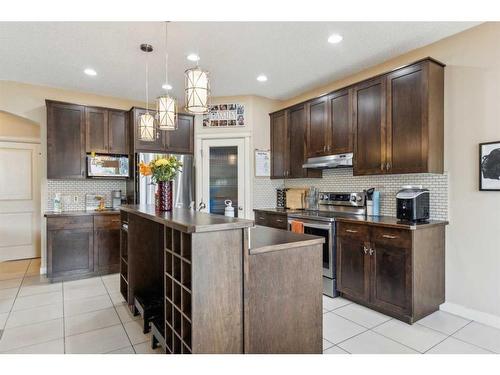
x=399, y=272
x=107, y=243
x=70, y=247
x=82, y=246
x=273, y=220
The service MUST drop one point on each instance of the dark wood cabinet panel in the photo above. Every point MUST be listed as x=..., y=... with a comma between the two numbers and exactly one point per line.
x=279, y=145
x=318, y=129
x=107, y=246
x=96, y=124
x=391, y=277
x=297, y=134
x=369, y=121
x=406, y=126
x=273, y=220
x=353, y=266
x=181, y=140
x=65, y=140
x=341, y=138
x=107, y=243
x=415, y=119
x=70, y=252
x=117, y=132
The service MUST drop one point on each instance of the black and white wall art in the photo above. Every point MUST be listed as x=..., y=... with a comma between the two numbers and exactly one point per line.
x=489, y=166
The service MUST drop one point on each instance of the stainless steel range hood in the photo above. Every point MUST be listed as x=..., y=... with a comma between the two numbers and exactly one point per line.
x=330, y=161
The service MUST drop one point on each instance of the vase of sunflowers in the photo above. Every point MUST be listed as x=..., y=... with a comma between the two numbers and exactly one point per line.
x=163, y=171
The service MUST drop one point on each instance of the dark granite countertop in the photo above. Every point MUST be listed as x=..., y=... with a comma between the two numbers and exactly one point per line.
x=81, y=213
x=187, y=220
x=381, y=221
x=266, y=239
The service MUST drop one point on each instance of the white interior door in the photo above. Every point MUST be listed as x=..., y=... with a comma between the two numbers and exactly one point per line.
x=19, y=201
x=223, y=175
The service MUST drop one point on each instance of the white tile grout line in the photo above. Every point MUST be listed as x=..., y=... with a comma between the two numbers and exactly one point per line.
x=15, y=298
x=116, y=311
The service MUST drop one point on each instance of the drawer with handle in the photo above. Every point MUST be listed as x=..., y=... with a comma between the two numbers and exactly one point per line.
x=391, y=236
x=352, y=230
x=107, y=221
x=271, y=220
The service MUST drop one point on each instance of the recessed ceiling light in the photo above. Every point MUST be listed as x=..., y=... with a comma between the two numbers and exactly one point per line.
x=166, y=86
x=262, y=78
x=335, y=38
x=90, y=72
x=193, y=57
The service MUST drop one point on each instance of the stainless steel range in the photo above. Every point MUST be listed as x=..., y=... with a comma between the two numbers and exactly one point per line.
x=321, y=222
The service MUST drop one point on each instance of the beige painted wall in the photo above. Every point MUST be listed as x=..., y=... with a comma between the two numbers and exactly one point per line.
x=12, y=126
x=472, y=115
x=28, y=101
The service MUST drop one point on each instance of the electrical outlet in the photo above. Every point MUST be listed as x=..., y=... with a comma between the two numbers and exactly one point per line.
x=75, y=199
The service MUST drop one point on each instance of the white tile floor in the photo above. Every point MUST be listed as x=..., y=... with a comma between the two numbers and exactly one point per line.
x=90, y=316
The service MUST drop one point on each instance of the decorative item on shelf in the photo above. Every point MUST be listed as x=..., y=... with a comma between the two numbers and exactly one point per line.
x=162, y=171
x=166, y=105
x=147, y=120
x=197, y=90
x=489, y=166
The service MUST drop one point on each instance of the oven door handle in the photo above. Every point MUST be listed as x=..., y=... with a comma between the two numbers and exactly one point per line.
x=310, y=225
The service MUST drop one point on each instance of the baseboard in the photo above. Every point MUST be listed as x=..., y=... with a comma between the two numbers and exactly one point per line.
x=471, y=314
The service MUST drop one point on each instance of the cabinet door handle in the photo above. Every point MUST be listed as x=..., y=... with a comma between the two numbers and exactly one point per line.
x=371, y=251
x=365, y=249
x=261, y=218
x=351, y=231
x=116, y=221
x=382, y=166
x=390, y=237
x=279, y=220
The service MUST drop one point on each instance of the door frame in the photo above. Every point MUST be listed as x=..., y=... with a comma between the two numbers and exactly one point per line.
x=247, y=166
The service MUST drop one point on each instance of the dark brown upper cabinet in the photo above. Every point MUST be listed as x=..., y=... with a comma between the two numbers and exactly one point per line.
x=96, y=130
x=318, y=128
x=118, y=132
x=369, y=122
x=106, y=131
x=65, y=140
x=393, y=123
x=288, y=144
x=340, y=120
x=415, y=103
x=179, y=141
x=279, y=145
x=398, y=121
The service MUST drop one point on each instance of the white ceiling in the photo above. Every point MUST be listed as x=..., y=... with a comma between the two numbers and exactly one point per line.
x=294, y=55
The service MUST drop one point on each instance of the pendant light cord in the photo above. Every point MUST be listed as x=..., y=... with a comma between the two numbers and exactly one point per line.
x=147, y=85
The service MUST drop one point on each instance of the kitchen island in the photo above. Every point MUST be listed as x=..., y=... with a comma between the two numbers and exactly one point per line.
x=225, y=286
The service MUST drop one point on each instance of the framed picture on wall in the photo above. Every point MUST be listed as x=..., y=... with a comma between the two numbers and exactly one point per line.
x=489, y=166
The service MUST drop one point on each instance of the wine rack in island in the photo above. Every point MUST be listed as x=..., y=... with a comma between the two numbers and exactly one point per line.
x=124, y=290
x=178, y=292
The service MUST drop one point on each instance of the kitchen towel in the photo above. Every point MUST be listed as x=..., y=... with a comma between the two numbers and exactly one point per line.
x=297, y=226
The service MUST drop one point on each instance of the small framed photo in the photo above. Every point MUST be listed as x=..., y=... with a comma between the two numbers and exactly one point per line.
x=489, y=166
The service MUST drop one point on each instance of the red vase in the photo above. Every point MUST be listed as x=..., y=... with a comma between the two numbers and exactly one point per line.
x=164, y=196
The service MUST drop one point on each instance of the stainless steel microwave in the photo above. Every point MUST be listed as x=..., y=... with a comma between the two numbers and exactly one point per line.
x=107, y=166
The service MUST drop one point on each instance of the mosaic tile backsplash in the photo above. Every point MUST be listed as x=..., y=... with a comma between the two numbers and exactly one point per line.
x=342, y=180
x=79, y=188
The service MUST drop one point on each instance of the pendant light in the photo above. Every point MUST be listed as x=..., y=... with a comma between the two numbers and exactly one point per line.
x=166, y=105
x=147, y=120
x=197, y=90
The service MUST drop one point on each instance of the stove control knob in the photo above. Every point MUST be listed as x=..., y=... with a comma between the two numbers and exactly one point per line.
x=324, y=197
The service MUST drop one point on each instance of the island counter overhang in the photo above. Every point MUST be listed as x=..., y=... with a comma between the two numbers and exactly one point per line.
x=226, y=285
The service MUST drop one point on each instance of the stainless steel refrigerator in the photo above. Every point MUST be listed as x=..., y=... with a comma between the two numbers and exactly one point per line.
x=184, y=189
